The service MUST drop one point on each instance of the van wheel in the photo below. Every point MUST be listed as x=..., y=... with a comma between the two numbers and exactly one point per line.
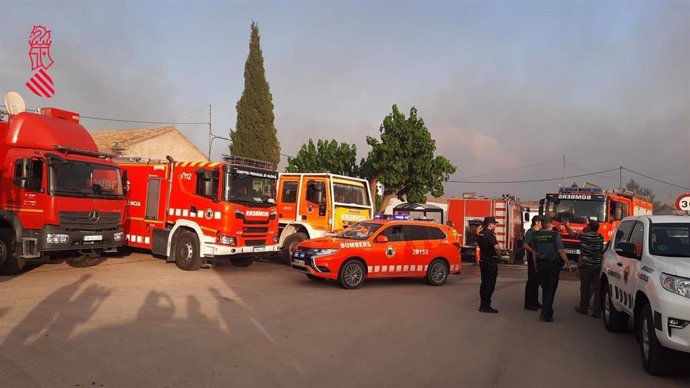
x=292, y=241
x=437, y=273
x=656, y=359
x=614, y=321
x=351, y=274
x=9, y=263
x=242, y=262
x=186, y=252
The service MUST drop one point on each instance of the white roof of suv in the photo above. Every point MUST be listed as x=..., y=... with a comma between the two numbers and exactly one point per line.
x=662, y=219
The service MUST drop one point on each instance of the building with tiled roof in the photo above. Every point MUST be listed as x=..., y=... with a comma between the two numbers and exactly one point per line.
x=152, y=143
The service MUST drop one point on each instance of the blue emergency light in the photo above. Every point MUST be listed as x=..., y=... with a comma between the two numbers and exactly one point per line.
x=398, y=217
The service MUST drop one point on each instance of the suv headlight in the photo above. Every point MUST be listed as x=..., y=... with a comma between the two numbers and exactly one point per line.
x=57, y=238
x=323, y=252
x=676, y=285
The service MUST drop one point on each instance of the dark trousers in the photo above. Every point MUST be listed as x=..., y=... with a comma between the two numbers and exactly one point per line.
x=589, y=285
x=549, y=272
x=489, y=271
x=532, y=285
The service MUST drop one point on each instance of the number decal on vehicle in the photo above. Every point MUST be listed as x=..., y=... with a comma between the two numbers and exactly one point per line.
x=420, y=251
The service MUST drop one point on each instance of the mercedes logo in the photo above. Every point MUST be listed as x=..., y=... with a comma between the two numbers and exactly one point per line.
x=94, y=216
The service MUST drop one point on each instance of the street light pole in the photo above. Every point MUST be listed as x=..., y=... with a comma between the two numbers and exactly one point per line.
x=211, y=135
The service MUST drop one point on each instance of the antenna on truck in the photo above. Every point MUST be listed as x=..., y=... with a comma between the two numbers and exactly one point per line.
x=14, y=103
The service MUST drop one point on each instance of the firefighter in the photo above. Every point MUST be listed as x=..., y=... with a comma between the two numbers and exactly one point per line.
x=532, y=285
x=451, y=225
x=550, y=258
x=490, y=254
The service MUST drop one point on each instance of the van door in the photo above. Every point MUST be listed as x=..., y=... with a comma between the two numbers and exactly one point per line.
x=287, y=199
x=315, y=203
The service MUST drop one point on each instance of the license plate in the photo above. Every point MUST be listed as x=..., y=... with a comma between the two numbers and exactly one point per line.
x=93, y=238
x=572, y=251
x=298, y=262
x=259, y=249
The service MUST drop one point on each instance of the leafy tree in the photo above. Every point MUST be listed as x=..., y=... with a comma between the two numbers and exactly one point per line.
x=255, y=132
x=403, y=160
x=325, y=156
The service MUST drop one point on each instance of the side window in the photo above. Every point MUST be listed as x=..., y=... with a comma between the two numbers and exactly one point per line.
x=394, y=233
x=289, y=193
x=415, y=232
x=623, y=232
x=28, y=174
x=436, y=234
x=637, y=235
x=207, y=183
x=316, y=192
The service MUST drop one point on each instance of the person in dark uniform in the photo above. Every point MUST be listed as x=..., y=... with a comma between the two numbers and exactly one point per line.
x=550, y=258
x=532, y=285
x=490, y=254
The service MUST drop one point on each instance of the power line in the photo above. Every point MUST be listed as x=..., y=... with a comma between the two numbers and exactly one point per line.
x=510, y=169
x=658, y=180
x=535, y=180
x=141, y=121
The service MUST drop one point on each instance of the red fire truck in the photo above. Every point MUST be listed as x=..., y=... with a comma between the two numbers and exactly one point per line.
x=60, y=198
x=468, y=212
x=576, y=204
x=194, y=213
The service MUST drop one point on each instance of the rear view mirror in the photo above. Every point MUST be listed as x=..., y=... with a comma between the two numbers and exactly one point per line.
x=618, y=213
x=627, y=249
x=125, y=184
x=381, y=239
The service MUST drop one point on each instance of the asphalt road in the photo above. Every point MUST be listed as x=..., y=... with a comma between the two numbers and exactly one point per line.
x=139, y=322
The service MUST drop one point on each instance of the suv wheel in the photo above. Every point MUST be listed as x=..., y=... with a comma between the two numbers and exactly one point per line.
x=437, y=273
x=351, y=274
x=614, y=321
x=656, y=359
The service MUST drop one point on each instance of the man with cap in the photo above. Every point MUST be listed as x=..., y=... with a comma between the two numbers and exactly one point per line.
x=490, y=253
x=532, y=285
x=551, y=257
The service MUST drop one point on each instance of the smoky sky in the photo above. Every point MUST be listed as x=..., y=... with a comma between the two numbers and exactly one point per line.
x=500, y=85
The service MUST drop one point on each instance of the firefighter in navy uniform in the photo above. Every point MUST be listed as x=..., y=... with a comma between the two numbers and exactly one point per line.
x=551, y=257
x=490, y=254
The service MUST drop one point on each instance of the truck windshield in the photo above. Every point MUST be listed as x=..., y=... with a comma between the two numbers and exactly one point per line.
x=73, y=178
x=670, y=240
x=360, y=231
x=349, y=194
x=578, y=210
x=250, y=188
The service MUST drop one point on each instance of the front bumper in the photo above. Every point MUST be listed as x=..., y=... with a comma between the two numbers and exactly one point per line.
x=80, y=240
x=677, y=307
x=216, y=250
x=308, y=264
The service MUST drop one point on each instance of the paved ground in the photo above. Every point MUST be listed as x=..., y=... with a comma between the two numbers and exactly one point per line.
x=139, y=322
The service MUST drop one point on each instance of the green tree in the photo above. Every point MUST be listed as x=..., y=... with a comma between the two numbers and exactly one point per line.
x=325, y=156
x=647, y=192
x=403, y=160
x=255, y=132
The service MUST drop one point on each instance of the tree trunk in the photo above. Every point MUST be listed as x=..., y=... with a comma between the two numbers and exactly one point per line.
x=373, y=182
x=385, y=200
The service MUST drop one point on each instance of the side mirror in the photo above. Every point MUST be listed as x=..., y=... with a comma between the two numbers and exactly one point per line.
x=527, y=216
x=123, y=178
x=627, y=249
x=381, y=239
x=618, y=215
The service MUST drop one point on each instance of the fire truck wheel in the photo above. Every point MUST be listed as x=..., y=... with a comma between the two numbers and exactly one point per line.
x=9, y=263
x=351, y=274
x=292, y=241
x=242, y=262
x=186, y=251
x=437, y=273
x=85, y=261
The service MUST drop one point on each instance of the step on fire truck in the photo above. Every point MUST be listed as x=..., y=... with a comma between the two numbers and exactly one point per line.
x=314, y=205
x=60, y=198
x=194, y=213
x=578, y=204
x=468, y=212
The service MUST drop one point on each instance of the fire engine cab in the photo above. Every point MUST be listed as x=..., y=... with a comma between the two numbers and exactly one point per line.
x=194, y=213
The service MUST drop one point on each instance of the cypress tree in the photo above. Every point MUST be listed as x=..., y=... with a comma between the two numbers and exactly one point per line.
x=255, y=132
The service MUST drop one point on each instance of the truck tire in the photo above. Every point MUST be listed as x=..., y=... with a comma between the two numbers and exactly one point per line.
x=186, y=253
x=656, y=359
x=291, y=243
x=437, y=272
x=352, y=274
x=614, y=321
x=85, y=261
x=242, y=261
x=9, y=263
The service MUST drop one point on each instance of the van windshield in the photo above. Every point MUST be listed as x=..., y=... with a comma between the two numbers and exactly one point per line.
x=670, y=240
x=72, y=178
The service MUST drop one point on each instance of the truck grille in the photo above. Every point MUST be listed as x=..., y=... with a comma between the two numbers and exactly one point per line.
x=86, y=221
x=255, y=230
x=253, y=243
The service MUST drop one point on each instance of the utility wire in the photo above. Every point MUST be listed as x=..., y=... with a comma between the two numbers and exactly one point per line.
x=510, y=169
x=141, y=121
x=535, y=180
x=654, y=179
